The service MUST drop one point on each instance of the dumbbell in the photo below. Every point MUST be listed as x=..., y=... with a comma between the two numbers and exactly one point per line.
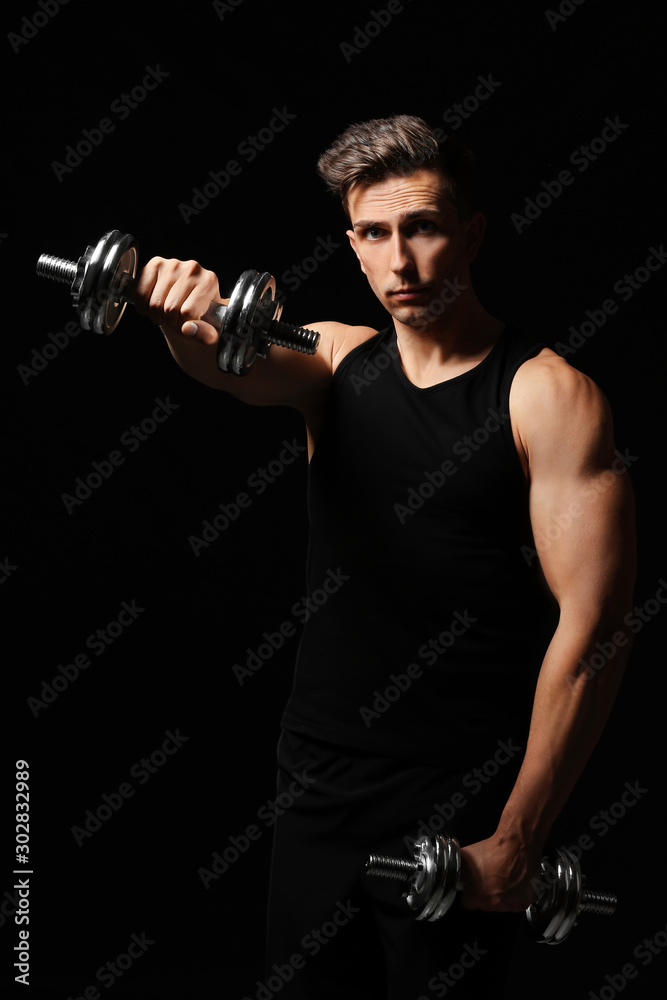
x=102, y=283
x=435, y=877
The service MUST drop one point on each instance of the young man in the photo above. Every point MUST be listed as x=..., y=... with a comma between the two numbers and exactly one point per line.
x=434, y=684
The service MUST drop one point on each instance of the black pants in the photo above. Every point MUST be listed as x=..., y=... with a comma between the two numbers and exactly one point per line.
x=333, y=931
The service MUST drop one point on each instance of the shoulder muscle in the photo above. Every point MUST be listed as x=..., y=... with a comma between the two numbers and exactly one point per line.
x=561, y=417
x=338, y=339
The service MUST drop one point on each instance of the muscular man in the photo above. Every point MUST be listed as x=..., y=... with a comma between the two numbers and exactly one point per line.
x=468, y=503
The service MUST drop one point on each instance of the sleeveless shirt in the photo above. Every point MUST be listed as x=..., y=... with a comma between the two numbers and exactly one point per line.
x=427, y=617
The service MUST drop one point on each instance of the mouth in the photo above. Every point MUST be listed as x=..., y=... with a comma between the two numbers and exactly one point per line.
x=407, y=294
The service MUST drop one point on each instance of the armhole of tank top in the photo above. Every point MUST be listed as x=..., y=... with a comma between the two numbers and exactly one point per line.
x=338, y=375
x=351, y=355
x=506, y=388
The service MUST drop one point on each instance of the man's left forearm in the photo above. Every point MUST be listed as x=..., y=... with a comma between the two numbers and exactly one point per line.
x=570, y=710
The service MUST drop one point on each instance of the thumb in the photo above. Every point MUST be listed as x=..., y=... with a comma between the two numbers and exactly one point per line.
x=200, y=330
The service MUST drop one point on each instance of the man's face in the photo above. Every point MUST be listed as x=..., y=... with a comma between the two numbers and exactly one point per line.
x=409, y=241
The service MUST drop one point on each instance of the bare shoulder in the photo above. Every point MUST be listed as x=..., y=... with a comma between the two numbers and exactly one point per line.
x=557, y=408
x=547, y=383
x=338, y=339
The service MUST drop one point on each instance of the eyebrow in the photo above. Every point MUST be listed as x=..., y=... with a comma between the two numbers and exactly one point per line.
x=414, y=213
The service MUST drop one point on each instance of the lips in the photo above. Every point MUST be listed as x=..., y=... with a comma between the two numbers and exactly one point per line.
x=407, y=294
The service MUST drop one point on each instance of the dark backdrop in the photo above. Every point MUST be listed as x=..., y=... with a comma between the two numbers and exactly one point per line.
x=89, y=146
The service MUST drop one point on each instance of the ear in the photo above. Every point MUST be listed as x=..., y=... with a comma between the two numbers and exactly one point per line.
x=475, y=229
x=353, y=244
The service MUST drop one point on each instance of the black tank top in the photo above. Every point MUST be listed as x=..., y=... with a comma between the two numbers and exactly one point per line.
x=427, y=617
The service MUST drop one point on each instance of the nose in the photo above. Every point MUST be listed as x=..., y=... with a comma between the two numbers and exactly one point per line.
x=401, y=258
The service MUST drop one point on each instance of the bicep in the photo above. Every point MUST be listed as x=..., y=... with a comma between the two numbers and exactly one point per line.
x=583, y=527
x=581, y=501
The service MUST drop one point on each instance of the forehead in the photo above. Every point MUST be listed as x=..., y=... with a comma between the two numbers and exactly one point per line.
x=395, y=196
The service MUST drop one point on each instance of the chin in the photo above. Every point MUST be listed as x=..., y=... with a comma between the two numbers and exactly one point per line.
x=418, y=317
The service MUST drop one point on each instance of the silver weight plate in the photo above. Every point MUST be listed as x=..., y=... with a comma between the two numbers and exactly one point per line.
x=94, y=288
x=538, y=912
x=228, y=340
x=451, y=874
x=570, y=909
x=86, y=292
x=434, y=859
x=118, y=268
x=434, y=887
x=242, y=333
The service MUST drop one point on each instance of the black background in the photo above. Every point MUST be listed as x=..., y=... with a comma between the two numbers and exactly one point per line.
x=67, y=573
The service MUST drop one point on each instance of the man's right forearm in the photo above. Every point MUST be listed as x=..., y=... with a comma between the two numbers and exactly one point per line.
x=199, y=360
x=176, y=294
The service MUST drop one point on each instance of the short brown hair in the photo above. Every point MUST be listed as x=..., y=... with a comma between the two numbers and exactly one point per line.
x=397, y=146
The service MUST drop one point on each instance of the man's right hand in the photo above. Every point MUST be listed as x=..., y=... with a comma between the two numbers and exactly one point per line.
x=174, y=294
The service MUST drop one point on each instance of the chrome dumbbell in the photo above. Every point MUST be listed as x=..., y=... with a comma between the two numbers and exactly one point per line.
x=434, y=877
x=102, y=284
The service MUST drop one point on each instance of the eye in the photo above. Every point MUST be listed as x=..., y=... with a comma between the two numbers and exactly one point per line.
x=424, y=226
x=372, y=233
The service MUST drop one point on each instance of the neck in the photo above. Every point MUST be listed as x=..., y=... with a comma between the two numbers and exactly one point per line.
x=463, y=331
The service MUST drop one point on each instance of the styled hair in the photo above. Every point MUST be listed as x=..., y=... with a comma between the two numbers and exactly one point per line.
x=398, y=146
